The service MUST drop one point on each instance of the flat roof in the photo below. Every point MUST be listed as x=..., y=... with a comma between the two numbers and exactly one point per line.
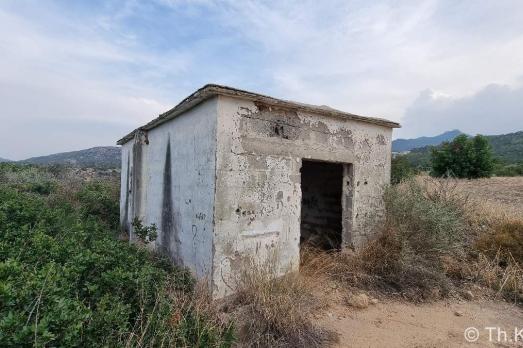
x=211, y=90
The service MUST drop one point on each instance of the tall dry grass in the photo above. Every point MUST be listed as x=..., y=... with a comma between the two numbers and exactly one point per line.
x=437, y=239
x=491, y=253
x=181, y=319
x=272, y=311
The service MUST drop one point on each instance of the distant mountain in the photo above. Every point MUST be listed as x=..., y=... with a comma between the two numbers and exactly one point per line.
x=401, y=145
x=4, y=160
x=506, y=147
x=100, y=157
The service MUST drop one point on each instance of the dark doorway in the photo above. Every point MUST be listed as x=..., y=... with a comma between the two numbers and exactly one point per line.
x=321, y=208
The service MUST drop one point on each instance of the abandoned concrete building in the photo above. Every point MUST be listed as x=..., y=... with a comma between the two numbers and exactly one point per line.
x=229, y=176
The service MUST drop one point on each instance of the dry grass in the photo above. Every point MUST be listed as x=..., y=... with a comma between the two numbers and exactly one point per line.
x=416, y=257
x=275, y=311
x=501, y=273
x=497, y=197
x=492, y=254
x=181, y=319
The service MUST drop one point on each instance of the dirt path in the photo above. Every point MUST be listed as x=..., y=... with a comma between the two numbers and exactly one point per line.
x=441, y=324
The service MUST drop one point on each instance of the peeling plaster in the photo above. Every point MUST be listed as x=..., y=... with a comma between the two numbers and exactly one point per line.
x=222, y=180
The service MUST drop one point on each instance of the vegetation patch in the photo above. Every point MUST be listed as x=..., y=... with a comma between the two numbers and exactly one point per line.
x=505, y=237
x=65, y=280
x=276, y=311
x=507, y=150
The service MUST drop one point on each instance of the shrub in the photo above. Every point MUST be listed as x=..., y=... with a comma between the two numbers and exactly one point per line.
x=66, y=281
x=427, y=223
x=463, y=158
x=401, y=169
x=100, y=199
x=146, y=234
x=423, y=226
x=513, y=169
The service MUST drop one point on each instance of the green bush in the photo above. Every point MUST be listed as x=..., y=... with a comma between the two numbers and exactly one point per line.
x=100, y=199
x=514, y=169
x=401, y=169
x=422, y=229
x=144, y=233
x=66, y=281
x=463, y=158
x=427, y=223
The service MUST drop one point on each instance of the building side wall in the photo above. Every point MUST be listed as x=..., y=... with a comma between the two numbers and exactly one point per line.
x=168, y=179
x=258, y=194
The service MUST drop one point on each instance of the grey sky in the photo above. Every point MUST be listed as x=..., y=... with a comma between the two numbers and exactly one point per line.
x=83, y=73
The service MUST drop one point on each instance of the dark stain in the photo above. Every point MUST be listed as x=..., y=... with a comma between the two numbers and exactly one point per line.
x=279, y=131
x=125, y=219
x=137, y=177
x=168, y=245
x=261, y=106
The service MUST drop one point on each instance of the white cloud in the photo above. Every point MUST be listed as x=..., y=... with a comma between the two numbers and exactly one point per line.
x=122, y=62
x=51, y=79
x=495, y=109
x=374, y=57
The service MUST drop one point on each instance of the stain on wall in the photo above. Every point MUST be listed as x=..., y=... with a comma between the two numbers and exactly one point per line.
x=126, y=191
x=170, y=241
x=136, y=174
x=176, y=185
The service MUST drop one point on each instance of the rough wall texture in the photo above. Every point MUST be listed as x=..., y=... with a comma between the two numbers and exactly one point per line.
x=222, y=182
x=168, y=178
x=258, y=192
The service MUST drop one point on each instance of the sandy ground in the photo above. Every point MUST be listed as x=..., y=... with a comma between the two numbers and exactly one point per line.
x=440, y=324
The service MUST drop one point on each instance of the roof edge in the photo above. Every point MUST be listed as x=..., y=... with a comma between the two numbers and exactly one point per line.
x=210, y=90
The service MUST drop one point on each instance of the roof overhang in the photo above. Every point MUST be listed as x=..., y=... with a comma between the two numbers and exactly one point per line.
x=212, y=90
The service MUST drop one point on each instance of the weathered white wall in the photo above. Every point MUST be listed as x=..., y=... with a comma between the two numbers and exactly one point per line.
x=183, y=209
x=234, y=192
x=258, y=193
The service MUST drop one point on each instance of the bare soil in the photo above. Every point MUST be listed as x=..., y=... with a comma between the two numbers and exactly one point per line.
x=392, y=323
x=439, y=324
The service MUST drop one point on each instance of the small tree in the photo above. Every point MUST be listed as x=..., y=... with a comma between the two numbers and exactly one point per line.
x=483, y=165
x=463, y=157
x=401, y=169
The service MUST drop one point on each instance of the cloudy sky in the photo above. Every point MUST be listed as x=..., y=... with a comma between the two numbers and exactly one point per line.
x=77, y=74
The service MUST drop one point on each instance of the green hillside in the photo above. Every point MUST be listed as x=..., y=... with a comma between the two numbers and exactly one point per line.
x=507, y=148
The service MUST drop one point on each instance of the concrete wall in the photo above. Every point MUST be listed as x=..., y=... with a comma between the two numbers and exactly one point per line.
x=222, y=183
x=168, y=178
x=258, y=193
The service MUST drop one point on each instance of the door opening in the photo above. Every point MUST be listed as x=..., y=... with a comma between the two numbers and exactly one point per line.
x=321, y=204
